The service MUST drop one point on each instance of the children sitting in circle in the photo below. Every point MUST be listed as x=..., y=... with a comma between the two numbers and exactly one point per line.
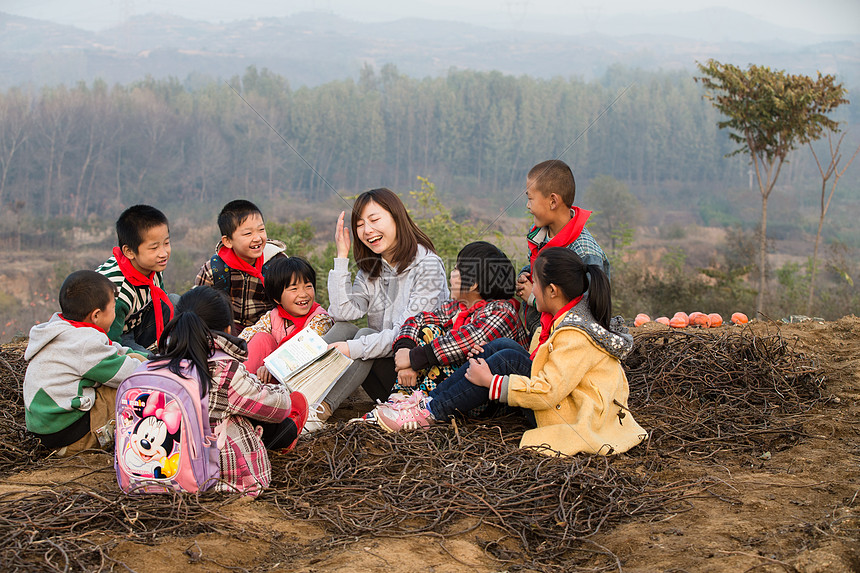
x=291, y=285
x=450, y=355
x=258, y=416
x=432, y=345
x=575, y=386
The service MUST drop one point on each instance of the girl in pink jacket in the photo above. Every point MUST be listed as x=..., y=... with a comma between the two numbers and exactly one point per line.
x=291, y=284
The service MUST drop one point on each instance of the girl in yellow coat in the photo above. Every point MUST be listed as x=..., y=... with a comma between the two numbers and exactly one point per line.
x=577, y=388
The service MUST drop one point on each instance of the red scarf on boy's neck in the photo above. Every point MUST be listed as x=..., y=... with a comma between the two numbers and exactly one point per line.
x=465, y=313
x=298, y=321
x=547, y=320
x=137, y=278
x=568, y=234
x=77, y=324
x=232, y=260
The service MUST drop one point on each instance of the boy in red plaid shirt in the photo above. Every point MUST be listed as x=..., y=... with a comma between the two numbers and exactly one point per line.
x=431, y=345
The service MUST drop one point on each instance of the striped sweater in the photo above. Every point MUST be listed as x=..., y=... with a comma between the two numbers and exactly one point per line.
x=131, y=301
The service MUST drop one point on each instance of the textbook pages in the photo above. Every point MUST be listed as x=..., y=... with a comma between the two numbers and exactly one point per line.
x=304, y=364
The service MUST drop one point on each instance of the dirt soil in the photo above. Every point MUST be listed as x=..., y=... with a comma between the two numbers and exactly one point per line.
x=792, y=510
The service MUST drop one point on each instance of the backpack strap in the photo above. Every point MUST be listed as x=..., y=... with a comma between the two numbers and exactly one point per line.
x=220, y=273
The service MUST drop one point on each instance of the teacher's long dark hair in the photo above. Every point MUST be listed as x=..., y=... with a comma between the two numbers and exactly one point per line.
x=188, y=336
x=563, y=268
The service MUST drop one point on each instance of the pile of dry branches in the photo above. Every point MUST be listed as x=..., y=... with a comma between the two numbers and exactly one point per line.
x=536, y=511
x=17, y=447
x=74, y=528
x=702, y=392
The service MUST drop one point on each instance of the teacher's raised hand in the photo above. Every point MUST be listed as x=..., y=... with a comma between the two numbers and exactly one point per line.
x=341, y=238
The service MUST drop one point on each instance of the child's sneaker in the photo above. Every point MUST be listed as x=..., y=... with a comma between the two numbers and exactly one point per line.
x=409, y=414
x=319, y=413
x=395, y=398
x=413, y=398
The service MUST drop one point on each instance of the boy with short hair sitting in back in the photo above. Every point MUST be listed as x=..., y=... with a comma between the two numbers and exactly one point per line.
x=136, y=268
x=241, y=261
x=74, y=368
x=551, y=190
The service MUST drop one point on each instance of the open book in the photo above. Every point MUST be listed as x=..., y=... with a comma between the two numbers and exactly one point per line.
x=304, y=364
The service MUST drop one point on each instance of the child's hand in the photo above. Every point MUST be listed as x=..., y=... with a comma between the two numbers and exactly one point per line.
x=475, y=351
x=407, y=377
x=341, y=238
x=343, y=347
x=478, y=372
x=401, y=360
x=264, y=375
x=524, y=287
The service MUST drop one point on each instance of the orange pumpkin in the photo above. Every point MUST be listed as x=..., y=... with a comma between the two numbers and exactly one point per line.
x=663, y=320
x=679, y=322
x=681, y=314
x=716, y=320
x=641, y=319
x=740, y=318
x=700, y=319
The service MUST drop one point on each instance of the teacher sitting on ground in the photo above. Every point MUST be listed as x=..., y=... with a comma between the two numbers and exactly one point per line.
x=399, y=275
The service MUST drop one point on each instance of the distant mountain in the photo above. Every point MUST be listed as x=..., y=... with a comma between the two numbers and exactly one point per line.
x=708, y=25
x=314, y=48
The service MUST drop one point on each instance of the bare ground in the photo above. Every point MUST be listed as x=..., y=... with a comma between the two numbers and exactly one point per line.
x=792, y=508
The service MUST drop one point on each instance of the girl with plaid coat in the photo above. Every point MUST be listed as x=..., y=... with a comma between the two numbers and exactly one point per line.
x=248, y=416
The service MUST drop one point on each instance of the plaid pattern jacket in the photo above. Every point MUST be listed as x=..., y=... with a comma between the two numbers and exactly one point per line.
x=497, y=319
x=247, y=294
x=236, y=398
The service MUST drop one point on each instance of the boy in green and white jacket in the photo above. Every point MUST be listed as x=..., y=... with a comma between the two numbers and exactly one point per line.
x=74, y=368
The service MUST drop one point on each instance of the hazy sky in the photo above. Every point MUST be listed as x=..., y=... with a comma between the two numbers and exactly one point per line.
x=820, y=16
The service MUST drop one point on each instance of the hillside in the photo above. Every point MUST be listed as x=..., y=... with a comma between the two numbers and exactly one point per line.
x=314, y=48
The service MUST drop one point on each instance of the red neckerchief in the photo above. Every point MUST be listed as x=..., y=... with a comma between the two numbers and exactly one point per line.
x=137, y=278
x=568, y=234
x=547, y=320
x=232, y=260
x=299, y=321
x=77, y=324
x=465, y=314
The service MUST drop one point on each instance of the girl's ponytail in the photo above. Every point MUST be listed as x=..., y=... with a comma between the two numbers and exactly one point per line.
x=599, y=296
x=186, y=337
x=189, y=335
x=565, y=269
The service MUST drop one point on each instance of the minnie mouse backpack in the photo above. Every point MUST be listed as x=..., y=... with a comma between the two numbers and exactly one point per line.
x=163, y=438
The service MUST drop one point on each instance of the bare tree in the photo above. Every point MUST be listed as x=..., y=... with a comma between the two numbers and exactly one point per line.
x=832, y=170
x=15, y=117
x=55, y=123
